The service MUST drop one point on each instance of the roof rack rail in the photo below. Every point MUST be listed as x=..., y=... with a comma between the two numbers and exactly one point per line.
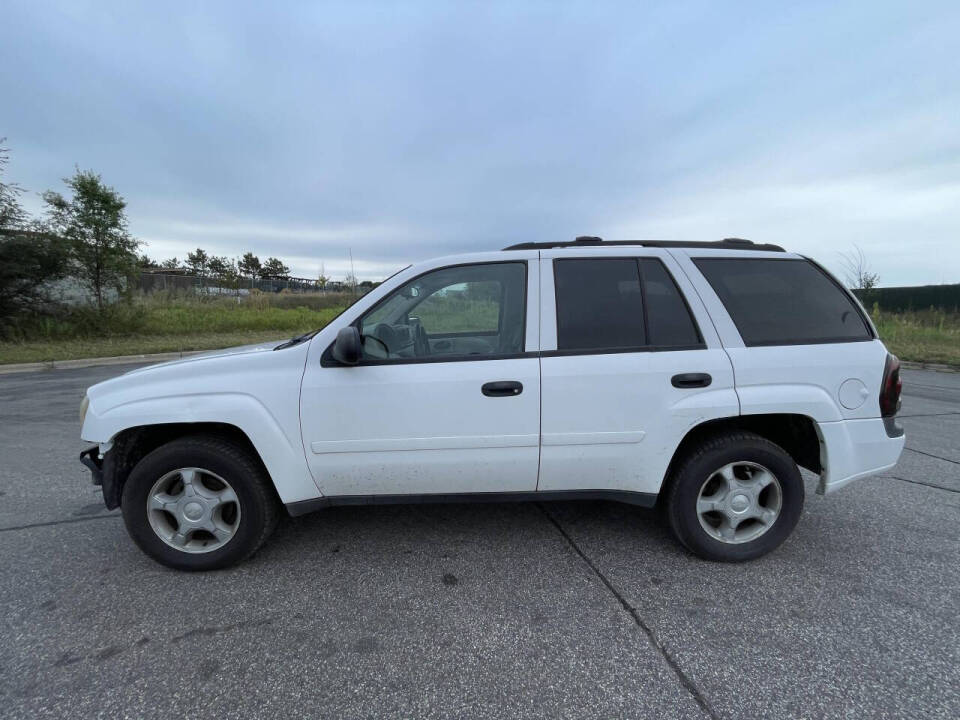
x=593, y=241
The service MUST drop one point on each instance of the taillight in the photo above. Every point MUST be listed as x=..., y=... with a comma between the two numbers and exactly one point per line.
x=891, y=387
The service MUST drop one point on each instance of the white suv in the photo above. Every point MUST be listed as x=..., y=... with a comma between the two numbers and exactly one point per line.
x=699, y=375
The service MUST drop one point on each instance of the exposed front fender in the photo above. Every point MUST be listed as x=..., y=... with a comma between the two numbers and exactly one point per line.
x=282, y=457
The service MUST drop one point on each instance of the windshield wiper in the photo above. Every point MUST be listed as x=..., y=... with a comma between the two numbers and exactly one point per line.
x=296, y=340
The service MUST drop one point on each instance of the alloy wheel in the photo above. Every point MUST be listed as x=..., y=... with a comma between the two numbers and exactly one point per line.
x=739, y=502
x=193, y=510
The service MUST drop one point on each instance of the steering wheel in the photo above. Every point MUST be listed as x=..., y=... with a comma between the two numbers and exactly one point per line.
x=421, y=345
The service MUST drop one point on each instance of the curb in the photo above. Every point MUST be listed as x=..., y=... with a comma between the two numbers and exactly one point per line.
x=94, y=362
x=936, y=367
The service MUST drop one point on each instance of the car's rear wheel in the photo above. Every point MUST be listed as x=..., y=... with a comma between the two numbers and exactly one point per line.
x=199, y=503
x=737, y=496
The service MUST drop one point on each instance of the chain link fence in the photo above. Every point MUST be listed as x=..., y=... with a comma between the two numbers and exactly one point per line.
x=152, y=282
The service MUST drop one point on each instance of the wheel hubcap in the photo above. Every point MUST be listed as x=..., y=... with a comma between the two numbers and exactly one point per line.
x=193, y=510
x=739, y=502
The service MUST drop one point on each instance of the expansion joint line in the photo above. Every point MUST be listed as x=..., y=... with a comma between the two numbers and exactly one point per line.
x=684, y=679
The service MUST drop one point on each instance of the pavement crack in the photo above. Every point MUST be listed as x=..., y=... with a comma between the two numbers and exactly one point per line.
x=920, y=482
x=921, y=452
x=58, y=522
x=687, y=683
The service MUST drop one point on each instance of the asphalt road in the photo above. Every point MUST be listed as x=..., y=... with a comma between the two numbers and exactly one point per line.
x=572, y=610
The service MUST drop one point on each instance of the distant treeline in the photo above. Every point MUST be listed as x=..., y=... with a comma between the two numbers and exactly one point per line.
x=80, y=250
x=919, y=297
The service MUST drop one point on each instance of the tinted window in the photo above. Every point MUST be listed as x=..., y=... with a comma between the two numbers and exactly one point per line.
x=465, y=310
x=599, y=304
x=780, y=302
x=668, y=319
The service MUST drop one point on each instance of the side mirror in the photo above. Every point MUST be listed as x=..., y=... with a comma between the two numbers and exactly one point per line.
x=346, y=349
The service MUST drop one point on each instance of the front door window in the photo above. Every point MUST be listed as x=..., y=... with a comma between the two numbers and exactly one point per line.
x=459, y=312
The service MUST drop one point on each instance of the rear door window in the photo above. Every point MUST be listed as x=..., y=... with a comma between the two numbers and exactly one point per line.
x=616, y=304
x=599, y=305
x=784, y=301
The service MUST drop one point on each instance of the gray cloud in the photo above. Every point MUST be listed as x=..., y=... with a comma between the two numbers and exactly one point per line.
x=405, y=131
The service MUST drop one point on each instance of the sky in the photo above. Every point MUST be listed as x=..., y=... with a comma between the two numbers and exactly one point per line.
x=402, y=131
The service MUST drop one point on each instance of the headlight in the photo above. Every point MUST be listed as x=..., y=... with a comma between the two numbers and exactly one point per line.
x=84, y=404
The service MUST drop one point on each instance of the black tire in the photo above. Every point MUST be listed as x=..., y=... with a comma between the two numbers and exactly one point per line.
x=259, y=506
x=707, y=458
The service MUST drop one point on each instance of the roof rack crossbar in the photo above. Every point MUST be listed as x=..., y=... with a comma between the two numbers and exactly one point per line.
x=590, y=241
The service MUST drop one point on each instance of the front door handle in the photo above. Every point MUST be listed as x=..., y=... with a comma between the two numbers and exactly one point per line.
x=502, y=388
x=691, y=380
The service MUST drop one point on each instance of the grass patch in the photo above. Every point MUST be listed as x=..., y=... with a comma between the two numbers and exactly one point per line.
x=927, y=336
x=45, y=351
x=166, y=323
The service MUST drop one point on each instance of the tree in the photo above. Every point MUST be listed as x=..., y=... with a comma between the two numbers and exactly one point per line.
x=229, y=276
x=249, y=266
x=223, y=270
x=12, y=214
x=218, y=266
x=94, y=224
x=29, y=261
x=857, y=270
x=274, y=268
x=29, y=257
x=145, y=262
x=171, y=264
x=197, y=262
x=351, y=282
x=322, y=279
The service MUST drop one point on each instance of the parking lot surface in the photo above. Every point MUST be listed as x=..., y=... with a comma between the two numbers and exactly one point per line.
x=577, y=610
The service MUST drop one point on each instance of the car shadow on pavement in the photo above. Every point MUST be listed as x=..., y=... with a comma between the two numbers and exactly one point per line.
x=424, y=528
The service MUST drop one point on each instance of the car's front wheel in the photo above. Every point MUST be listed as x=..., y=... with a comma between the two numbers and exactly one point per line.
x=736, y=496
x=199, y=503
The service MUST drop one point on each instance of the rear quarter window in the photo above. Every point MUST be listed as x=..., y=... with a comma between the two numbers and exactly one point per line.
x=669, y=323
x=784, y=301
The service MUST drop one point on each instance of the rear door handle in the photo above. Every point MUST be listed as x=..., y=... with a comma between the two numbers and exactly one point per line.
x=502, y=388
x=691, y=380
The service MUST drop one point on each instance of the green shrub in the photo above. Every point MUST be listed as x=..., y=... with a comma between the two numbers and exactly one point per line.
x=170, y=314
x=931, y=336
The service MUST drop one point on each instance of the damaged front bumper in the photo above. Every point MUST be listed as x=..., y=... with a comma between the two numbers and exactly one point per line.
x=102, y=472
x=91, y=458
